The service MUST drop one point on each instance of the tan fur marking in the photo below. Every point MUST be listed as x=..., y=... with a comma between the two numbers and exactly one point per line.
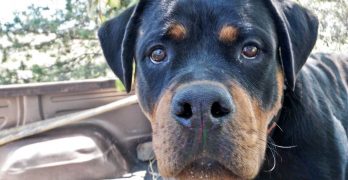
x=177, y=31
x=228, y=34
x=163, y=112
x=164, y=139
x=249, y=128
x=243, y=129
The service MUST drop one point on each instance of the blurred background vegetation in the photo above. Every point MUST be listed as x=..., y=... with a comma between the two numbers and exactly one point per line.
x=41, y=43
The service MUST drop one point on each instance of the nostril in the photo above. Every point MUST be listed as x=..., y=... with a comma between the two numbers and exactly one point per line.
x=185, y=111
x=218, y=111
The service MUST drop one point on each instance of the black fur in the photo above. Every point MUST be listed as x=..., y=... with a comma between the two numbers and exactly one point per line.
x=118, y=38
x=297, y=29
x=314, y=118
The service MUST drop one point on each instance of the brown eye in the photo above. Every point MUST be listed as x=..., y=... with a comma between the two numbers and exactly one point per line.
x=250, y=52
x=158, y=55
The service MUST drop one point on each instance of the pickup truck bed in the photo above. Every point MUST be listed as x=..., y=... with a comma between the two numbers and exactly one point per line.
x=107, y=146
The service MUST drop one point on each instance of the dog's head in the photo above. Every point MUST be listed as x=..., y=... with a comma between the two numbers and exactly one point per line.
x=210, y=76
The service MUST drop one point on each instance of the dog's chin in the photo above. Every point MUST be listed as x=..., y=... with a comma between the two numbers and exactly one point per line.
x=206, y=169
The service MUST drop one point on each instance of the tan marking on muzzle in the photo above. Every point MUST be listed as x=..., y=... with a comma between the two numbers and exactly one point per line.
x=164, y=139
x=228, y=34
x=248, y=129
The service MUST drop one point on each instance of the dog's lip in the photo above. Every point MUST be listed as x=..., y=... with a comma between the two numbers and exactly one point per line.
x=205, y=162
x=205, y=165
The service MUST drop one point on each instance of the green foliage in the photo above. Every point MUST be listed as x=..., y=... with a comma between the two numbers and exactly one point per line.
x=60, y=46
x=333, y=27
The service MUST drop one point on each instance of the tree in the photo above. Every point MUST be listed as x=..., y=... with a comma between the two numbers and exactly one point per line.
x=333, y=27
x=63, y=46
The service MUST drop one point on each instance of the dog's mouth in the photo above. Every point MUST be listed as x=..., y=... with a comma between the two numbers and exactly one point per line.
x=206, y=168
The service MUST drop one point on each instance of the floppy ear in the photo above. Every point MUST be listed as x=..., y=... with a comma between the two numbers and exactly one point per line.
x=297, y=30
x=117, y=38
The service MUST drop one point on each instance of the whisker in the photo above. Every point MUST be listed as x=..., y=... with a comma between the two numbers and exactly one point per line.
x=279, y=146
x=274, y=160
x=282, y=147
x=279, y=127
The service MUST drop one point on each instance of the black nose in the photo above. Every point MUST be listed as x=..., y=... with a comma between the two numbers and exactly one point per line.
x=202, y=106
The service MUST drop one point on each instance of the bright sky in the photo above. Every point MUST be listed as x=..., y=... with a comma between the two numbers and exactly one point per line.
x=7, y=8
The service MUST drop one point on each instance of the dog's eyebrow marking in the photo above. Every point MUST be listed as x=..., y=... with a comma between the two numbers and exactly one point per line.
x=177, y=31
x=228, y=34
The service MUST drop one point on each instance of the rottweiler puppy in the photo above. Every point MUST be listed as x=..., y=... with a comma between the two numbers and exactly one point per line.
x=230, y=89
